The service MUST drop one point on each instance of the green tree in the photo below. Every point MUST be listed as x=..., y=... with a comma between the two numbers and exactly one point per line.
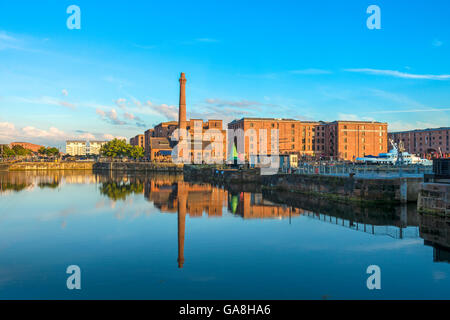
x=6, y=151
x=137, y=152
x=20, y=151
x=48, y=151
x=119, y=148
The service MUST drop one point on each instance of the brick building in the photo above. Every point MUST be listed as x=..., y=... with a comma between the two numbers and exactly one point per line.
x=158, y=138
x=345, y=140
x=348, y=140
x=138, y=140
x=30, y=146
x=427, y=143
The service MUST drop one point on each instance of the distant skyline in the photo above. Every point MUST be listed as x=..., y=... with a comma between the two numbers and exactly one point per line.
x=118, y=75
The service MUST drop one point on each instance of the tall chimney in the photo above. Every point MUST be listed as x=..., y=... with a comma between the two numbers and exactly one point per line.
x=182, y=106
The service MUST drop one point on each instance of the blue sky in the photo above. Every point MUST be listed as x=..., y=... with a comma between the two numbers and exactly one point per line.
x=313, y=60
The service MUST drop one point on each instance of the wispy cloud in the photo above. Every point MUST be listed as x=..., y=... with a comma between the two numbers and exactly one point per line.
x=110, y=116
x=170, y=112
x=399, y=74
x=413, y=110
x=7, y=41
x=437, y=43
x=206, y=40
x=311, y=71
x=354, y=117
x=46, y=100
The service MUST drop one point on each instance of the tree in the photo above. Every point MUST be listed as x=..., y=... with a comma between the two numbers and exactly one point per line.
x=119, y=148
x=48, y=151
x=7, y=152
x=20, y=151
x=137, y=152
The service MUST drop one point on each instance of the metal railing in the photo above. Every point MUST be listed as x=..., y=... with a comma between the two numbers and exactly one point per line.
x=364, y=171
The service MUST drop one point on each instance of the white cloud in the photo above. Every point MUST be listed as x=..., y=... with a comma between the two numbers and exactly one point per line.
x=413, y=110
x=108, y=136
x=437, y=43
x=354, y=117
x=46, y=100
x=110, y=116
x=399, y=74
x=121, y=103
x=87, y=136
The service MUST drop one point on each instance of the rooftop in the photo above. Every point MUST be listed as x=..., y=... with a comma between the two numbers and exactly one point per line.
x=423, y=130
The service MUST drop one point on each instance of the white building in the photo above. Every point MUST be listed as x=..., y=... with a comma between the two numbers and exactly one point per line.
x=76, y=147
x=94, y=147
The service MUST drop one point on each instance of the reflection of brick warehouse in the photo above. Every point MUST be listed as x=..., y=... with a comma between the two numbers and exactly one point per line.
x=200, y=198
x=339, y=139
x=435, y=231
x=426, y=142
x=252, y=206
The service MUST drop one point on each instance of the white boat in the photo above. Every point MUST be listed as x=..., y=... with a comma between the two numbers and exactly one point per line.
x=392, y=157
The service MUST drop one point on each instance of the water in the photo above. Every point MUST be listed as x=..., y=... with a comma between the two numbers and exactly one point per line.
x=158, y=237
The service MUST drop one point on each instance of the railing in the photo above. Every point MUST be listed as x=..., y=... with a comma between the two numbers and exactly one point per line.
x=364, y=171
x=396, y=232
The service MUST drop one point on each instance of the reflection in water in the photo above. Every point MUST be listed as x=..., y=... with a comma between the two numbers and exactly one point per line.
x=435, y=230
x=227, y=238
x=171, y=194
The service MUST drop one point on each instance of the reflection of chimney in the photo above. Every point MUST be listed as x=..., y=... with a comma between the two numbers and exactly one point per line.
x=182, y=105
x=182, y=203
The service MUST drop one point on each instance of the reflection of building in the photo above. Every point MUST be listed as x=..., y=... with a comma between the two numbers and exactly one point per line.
x=426, y=142
x=95, y=146
x=138, y=140
x=345, y=140
x=30, y=146
x=253, y=205
x=435, y=230
x=76, y=147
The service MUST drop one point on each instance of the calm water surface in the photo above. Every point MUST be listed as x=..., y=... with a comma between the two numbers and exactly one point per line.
x=159, y=237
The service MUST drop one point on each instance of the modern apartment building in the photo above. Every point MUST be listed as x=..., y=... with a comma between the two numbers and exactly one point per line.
x=76, y=147
x=138, y=140
x=428, y=143
x=95, y=146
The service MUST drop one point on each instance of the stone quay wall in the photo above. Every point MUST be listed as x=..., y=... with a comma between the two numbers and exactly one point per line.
x=61, y=165
x=434, y=198
x=344, y=189
x=138, y=167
